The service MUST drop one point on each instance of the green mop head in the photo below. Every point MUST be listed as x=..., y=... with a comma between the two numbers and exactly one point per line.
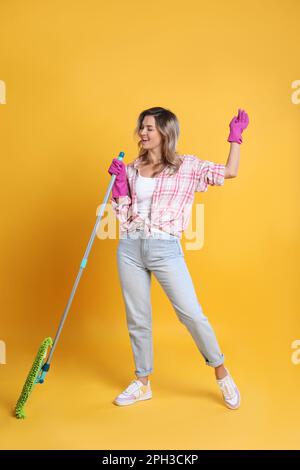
x=32, y=376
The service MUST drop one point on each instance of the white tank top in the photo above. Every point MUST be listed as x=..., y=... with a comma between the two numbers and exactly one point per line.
x=144, y=191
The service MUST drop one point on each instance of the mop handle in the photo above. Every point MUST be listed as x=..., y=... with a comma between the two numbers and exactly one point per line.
x=82, y=266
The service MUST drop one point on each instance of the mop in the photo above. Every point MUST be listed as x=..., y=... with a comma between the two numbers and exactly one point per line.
x=41, y=364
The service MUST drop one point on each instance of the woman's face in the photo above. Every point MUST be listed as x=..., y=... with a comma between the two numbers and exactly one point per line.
x=151, y=137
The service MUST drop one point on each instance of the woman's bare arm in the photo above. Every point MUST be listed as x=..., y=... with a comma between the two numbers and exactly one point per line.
x=233, y=160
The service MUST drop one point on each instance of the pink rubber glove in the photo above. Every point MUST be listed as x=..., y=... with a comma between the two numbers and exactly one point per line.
x=120, y=187
x=237, y=125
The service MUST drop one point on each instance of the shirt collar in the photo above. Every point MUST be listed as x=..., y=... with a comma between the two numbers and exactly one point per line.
x=138, y=160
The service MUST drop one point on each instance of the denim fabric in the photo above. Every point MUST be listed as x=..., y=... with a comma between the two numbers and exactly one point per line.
x=137, y=258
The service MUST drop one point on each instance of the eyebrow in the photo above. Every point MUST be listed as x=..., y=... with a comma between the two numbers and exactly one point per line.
x=147, y=125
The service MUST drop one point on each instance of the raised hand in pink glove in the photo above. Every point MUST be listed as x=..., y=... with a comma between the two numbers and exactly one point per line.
x=237, y=125
x=120, y=187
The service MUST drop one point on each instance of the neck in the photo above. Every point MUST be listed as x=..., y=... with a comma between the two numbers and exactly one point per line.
x=154, y=157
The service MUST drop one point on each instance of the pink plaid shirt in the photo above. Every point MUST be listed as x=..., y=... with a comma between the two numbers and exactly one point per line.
x=172, y=198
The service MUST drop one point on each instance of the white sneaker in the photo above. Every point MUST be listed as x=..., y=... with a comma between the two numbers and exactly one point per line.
x=135, y=391
x=231, y=394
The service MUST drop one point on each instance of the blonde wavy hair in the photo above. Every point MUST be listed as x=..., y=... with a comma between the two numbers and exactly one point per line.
x=168, y=126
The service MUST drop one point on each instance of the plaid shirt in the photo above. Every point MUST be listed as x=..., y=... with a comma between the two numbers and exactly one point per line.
x=173, y=195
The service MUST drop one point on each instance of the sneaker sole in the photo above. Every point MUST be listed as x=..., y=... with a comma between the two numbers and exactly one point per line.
x=232, y=407
x=144, y=397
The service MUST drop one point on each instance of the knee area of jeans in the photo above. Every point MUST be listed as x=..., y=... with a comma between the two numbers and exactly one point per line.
x=139, y=328
x=200, y=317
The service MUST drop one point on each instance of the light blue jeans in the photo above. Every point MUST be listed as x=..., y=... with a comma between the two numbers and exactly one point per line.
x=137, y=258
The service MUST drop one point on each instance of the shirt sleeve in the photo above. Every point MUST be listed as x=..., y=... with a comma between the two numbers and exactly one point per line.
x=121, y=209
x=208, y=173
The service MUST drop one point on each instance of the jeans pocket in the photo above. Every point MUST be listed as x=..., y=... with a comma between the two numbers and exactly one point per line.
x=180, y=250
x=162, y=249
x=124, y=245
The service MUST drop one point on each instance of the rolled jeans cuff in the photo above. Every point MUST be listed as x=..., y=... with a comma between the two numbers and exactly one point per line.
x=217, y=363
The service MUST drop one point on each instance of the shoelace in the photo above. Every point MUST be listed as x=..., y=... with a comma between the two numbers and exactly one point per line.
x=227, y=388
x=134, y=385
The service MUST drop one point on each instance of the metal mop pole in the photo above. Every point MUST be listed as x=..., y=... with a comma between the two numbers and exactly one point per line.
x=45, y=368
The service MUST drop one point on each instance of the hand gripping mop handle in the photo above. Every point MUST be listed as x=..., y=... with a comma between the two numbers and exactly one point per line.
x=83, y=264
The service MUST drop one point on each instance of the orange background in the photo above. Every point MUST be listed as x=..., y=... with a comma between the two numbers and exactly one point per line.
x=77, y=75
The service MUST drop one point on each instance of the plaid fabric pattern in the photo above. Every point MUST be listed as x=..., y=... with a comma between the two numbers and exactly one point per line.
x=172, y=198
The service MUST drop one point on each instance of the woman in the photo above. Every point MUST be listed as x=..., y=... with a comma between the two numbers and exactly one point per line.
x=152, y=198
